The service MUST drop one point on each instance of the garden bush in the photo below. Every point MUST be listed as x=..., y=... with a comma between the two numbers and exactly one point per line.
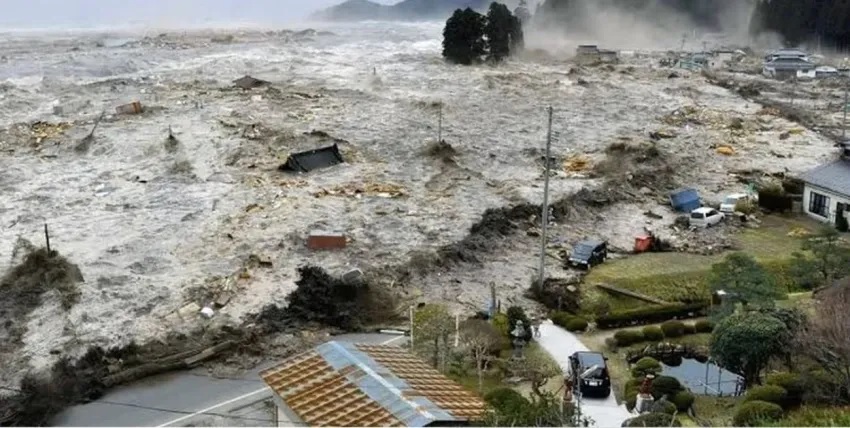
x=690, y=328
x=673, y=329
x=561, y=318
x=683, y=400
x=576, y=324
x=769, y=393
x=665, y=385
x=630, y=391
x=793, y=384
x=649, y=315
x=502, y=324
x=645, y=366
x=753, y=413
x=818, y=417
x=665, y=407
x=628, y=337
x=704, y=326
x=652, y=420
x=653, y=333
x=611, y=344
x=506, y=399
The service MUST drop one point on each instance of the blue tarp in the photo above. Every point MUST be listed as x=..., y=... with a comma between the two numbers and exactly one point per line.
x=685, y=200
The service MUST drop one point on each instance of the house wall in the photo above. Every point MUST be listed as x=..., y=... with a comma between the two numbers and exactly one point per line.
x=834, y=200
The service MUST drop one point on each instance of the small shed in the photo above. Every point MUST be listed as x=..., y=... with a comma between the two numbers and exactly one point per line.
x=685, y=200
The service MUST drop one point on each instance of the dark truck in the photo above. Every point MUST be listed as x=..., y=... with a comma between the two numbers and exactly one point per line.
x=589, y=370
x=588, y=253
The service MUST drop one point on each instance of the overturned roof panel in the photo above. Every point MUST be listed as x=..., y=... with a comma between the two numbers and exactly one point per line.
x=313, y=159
x=248, y=82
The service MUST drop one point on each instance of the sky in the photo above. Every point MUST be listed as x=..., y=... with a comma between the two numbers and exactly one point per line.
x=167, y=13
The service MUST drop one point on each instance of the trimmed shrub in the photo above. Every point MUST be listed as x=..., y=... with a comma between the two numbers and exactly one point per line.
x=793, y=384
x=653, y=333
x=683, y=400
x=561, y=318
x=576, y=324
x=753, y=413
x=690, y=328
x=645, y=366
x=665, y=385
x=673, y=329
x=611, y=344
x=628, y=337
x=704, y=326
x=652, y=420
x=502, y=324
x=649, y=315
x=506, y=399
x=769, y=393
x=665, y=407
x=630, y=391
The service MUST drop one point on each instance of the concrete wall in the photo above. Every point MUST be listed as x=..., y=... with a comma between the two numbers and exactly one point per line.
x=834, y=200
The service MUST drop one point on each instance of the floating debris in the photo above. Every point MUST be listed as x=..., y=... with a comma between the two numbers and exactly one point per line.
x=133, y=108
x=248, y=82
x=371, y=189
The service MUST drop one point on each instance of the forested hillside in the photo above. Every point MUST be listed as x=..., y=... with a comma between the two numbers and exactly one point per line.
x=705, y=13
x=800, y=21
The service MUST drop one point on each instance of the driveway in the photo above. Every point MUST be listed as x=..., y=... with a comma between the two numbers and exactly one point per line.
x=181, y=398
x=560, y=344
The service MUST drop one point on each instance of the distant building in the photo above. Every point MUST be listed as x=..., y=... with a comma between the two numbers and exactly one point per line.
x=787, y=67
x=346, y=385
x=591, y=54
x=788, y=54
x=827, y=189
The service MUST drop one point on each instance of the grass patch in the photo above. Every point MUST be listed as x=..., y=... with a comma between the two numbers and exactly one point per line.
x=715, y=411
x=490, y=381
x=682, y=277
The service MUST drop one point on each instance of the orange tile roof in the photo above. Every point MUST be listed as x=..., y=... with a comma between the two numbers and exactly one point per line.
x=338, y=384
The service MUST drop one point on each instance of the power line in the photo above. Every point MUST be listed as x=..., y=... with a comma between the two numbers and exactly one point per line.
x=160, y=409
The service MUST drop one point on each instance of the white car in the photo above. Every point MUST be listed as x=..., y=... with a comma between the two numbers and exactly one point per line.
x=705, y=217
x=731, y=201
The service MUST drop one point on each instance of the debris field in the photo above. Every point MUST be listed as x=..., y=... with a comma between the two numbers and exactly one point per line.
x=179, y=203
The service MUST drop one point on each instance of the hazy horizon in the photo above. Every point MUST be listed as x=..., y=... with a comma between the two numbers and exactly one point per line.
x=103, y=13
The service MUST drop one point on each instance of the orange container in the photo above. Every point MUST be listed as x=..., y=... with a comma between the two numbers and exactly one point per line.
x=643, y=244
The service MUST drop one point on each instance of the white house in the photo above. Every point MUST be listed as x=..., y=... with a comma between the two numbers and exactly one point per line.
x=827, y=190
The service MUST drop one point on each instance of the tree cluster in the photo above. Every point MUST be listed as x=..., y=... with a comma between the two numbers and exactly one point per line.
x=572, y=13
x=798, y=22
x=470, y=37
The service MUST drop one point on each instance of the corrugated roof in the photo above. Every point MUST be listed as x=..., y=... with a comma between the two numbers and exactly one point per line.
x=342, y=384
x=834, y=176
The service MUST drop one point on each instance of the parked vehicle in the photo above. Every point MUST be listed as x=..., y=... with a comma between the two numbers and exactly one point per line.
x=588, y=253
x=731, y=201
x=589, y=371
x=705, y=217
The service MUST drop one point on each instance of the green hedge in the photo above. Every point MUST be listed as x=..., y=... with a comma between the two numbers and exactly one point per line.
x=628, y=337
x=569, y=322
x=650, y=315
x=793, y=384
x=673, y=329
x=652, y=420
x=683, y=400
x=665, y=385
x=753, y=413
x=770, y=393
x=704, y=326
x=653, y=333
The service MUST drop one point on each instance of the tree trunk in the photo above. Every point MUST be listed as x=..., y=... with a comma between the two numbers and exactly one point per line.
x=437, y=352
x=480, y=367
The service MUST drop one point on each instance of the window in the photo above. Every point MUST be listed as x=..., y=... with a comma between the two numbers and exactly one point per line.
x=698, y=216
x=819, y=204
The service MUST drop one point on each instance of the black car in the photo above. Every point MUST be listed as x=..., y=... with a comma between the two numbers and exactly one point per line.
x=589, y=370
x=588, y=253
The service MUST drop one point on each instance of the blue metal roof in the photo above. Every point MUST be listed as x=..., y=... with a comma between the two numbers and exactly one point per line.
x=382, y=386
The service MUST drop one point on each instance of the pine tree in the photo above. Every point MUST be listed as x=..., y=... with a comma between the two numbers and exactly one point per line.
x=463, y=37
x=504, y=32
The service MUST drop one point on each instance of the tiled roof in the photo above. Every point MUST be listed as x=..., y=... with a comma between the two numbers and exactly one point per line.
x=834, y=176
x=342, y=384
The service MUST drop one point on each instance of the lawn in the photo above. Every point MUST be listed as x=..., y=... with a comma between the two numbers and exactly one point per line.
x=681, y=276
x=715, y=411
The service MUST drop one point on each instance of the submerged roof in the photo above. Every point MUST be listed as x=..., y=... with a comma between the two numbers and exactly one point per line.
x=313, y=159
x=834, y=176
x=342, y=384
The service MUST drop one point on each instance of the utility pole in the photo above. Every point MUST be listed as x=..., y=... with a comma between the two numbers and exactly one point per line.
x=440, y=125
x=545, y=216
x=684, y=38
x=844, y=121
x=411, y=326
x=47, y=238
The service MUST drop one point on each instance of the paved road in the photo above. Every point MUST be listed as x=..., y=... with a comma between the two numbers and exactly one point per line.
x=191, y=392
x=561, y=344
